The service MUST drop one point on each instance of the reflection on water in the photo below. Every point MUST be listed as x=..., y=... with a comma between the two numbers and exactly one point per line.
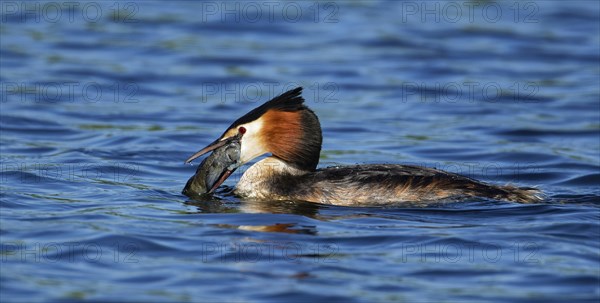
x=98, y=114
x=289, y=228
x=256, y=206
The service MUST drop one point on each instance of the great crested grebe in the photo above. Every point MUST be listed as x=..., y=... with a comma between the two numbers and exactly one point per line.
x=291, y=133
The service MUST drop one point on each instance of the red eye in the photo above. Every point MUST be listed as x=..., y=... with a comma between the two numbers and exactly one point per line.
x=242, y=130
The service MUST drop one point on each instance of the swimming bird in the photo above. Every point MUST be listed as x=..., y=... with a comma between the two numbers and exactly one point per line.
x=290, y=131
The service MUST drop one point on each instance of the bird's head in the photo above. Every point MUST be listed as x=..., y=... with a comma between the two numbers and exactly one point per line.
x=283, y=126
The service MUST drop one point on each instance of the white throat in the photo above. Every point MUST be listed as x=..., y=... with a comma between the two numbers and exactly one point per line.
x=254, y=183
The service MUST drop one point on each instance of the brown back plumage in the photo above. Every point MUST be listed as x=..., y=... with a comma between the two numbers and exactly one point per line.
x=388, y=183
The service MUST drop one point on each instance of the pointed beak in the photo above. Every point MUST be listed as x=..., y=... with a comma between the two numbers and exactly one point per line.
x=216, y=144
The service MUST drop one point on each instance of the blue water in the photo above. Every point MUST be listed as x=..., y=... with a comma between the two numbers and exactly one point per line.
x=103, y=101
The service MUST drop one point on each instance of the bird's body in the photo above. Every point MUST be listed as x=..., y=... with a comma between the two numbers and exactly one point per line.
x=291, y=132
x=371, y=184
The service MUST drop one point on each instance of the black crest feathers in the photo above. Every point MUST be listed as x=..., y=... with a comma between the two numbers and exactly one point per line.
x=289, y=101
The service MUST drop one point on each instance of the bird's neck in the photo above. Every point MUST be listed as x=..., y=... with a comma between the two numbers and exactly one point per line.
x=255, y=182
x=294, y=137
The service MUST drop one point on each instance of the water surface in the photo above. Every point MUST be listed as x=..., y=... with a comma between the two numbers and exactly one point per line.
x=98, y=114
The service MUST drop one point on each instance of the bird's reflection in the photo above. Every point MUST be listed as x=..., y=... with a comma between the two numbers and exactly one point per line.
x=226, y=203
x=288, y=228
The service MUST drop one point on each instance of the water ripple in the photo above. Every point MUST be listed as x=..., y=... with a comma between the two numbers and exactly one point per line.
x=91, y=203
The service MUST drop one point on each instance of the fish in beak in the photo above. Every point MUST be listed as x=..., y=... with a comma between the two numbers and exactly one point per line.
x=216, y=168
